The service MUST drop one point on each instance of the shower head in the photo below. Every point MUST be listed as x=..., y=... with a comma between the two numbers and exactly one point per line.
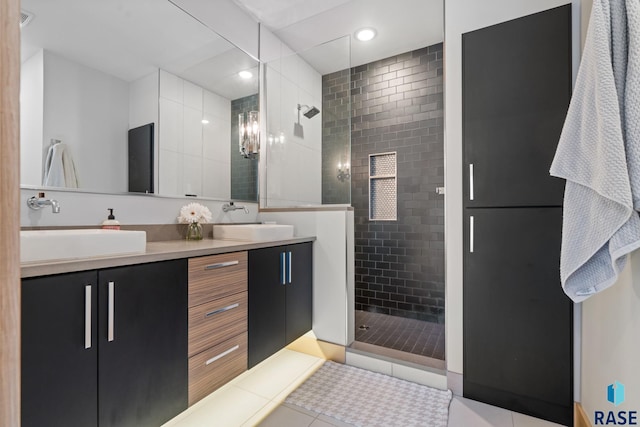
x=311, y=111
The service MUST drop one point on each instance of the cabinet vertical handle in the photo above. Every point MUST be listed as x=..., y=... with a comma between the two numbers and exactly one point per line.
x=471, y=234
x=110, y=319
x=470, y=181
x=289, y=268
x=87, y=316
x=283, y=269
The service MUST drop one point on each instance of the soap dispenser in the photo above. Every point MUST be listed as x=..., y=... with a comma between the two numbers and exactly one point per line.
x=110, y=223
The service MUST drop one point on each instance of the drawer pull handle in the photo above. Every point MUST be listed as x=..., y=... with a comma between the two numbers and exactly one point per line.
x=289, y=266
x=471, y=233
x=87, y=317
x=221, y=265
x=283, y=268
x=470, y=181
x=110, y=316
x=222, y=310
x=221, y=355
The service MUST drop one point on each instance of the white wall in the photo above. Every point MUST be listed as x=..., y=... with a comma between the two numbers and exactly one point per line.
x=89, y=111
x=78, y=208
x=462, y=16
x=332, y=269
x=31, y=119
x=293, y=167
x=610, y=325
x=611, y=344
x=194, y=157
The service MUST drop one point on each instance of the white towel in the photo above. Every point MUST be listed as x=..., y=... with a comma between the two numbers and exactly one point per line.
x=599, y=153
x=60, y=171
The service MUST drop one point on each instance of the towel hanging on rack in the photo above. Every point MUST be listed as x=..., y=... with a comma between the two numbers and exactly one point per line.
x=59, y=169
x=599, y=153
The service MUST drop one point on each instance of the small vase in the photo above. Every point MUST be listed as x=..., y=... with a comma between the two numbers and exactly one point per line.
x=194, y=231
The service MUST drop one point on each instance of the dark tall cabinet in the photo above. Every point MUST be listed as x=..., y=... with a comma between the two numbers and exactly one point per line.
x=280, y=298
x=105, y=348
x=517, y=321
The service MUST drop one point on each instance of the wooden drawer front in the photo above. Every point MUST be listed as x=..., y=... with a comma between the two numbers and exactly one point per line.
x=216, y=366
x=217, y=321
x=216, y=276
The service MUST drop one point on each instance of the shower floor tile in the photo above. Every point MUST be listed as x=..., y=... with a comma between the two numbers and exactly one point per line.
x=408, y=335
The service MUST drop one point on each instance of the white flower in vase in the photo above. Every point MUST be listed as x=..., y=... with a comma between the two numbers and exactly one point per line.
x=194, y=214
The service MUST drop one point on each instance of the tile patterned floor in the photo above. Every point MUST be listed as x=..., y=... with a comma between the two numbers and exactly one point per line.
x=256, y=398
x=398, y=333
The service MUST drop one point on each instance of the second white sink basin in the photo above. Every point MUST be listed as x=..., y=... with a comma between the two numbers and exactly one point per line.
x=253, y=232
x=39, y=245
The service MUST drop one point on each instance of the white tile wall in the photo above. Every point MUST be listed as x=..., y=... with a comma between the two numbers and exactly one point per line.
x=213, y=132
x=291, y=81
x=216, y=105
x=171, y=176
x=192, y=131
x=192, y=95
x=194, y=145
x=216, y=178
x=192, y=173
x=171, y=87
x=170, y=126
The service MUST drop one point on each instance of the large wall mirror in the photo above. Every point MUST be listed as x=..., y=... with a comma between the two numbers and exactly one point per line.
x=140, y=97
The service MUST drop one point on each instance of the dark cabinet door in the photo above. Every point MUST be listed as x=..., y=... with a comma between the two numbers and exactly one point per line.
x=299, y=290
x=517, y=320
x=60, y=350
x=267, y=285
x=143, y=365
x=516, y=91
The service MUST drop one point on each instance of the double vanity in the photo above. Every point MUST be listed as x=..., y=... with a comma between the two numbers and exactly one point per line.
x=133, y=339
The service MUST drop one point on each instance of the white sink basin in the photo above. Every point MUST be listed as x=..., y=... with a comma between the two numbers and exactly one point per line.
x=253, y=232
x=39, y=245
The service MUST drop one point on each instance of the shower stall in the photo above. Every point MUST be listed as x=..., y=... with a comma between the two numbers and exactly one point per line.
x=370, y=137
x=397, y=179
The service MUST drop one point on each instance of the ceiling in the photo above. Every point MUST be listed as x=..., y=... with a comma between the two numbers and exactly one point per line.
x=402, y=25
x=131, y=39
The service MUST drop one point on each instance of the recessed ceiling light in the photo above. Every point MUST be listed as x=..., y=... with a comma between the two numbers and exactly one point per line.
x=205, y=121
x=365, y=34
x=245, y=74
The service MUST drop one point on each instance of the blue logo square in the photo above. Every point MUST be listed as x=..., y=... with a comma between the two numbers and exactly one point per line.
x=615, y=393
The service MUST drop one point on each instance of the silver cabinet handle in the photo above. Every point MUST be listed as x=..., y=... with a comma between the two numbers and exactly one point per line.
x=471, y=234
x=470, y=181
x=289, y=261
x=221, y=355
x=283, y=269
x=110, y=319
x=222, y=310
x=87, y=316
x=221, y=265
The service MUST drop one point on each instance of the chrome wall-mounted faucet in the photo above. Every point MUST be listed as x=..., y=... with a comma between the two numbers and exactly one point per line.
x=38, y=202
x=228, y=207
